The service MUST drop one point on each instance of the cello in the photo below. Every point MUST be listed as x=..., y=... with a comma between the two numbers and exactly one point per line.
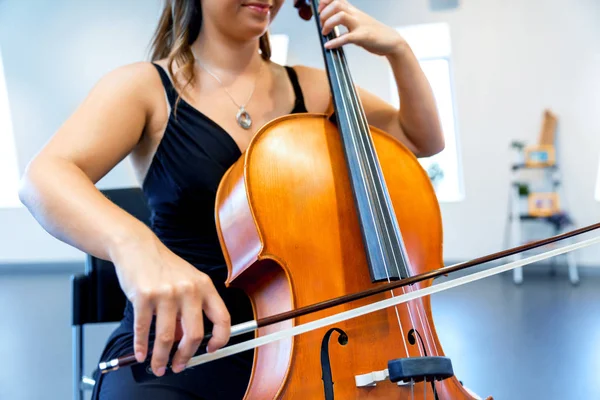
x=321, y=206
x=324, y=207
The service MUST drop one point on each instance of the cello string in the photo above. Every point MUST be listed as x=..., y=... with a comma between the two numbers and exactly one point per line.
x=369, y=149
x=359, y=119
x=382, y=304
x=376, y=177
x=343, y=86
x=382, y=200
x=339, y=64
x=356, y=138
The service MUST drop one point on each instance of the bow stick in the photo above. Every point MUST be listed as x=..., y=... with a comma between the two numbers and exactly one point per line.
x=380, y=305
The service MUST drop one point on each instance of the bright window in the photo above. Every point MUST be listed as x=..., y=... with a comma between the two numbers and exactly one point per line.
x=431, y=45
x=9, y=172
x=279, y=48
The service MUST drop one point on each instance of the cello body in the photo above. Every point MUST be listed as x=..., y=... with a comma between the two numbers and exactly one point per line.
x=288, y=227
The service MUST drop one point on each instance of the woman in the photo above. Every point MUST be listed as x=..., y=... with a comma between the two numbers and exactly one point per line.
x=185, y=118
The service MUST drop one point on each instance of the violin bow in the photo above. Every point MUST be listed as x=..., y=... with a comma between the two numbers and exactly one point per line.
x=250, y=326
x=380, y=305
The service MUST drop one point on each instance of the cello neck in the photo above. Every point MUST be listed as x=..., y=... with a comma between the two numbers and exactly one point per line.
x=385, y=251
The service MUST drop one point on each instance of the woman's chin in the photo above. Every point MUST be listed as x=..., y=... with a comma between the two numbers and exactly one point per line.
x=252, y=31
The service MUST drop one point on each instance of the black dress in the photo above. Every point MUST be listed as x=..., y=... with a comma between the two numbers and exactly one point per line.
x=180, y=188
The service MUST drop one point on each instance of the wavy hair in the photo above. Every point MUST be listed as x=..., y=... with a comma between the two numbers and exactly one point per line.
x=178, y=27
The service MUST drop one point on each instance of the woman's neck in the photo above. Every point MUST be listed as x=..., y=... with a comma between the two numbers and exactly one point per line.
x=225, y=56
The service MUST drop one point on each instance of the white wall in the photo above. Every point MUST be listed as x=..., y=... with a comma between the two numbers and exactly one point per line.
x=511, y=59
x=54, y=52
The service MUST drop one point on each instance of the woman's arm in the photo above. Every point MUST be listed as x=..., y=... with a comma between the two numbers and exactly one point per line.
x=416, y=123
x=58, y=184
x=58, y=188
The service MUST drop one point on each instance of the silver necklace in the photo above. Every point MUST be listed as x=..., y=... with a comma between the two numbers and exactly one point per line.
x=243, y=117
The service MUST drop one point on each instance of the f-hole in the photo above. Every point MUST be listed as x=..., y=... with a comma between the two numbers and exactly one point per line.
x=326, y=374
x=412, y=340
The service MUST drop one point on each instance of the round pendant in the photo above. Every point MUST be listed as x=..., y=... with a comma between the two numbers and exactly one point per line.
x=243, y=118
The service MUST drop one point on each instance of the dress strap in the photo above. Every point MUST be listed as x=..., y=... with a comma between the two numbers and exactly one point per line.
x=299, y=105
x=170, y=91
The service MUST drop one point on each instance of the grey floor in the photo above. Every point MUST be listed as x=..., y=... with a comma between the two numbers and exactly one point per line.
x=540, y=340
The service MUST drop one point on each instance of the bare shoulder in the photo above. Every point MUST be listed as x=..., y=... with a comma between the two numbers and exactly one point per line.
x=124, y=78
x=315, y=88
x=134, y=89
x=110, y=122
x=135, y=86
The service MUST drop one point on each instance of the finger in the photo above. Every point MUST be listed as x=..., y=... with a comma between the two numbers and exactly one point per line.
x=332, y=9
x=142, y=312
x=215, y=310
x=325, y=3
x=341, y=18
x=193, y=332
x=166, y=314
x=343, y=39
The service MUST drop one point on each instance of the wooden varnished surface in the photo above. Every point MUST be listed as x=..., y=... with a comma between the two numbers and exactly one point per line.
x=288, y=227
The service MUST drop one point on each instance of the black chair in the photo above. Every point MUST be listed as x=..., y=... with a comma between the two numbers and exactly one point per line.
x=96, y=294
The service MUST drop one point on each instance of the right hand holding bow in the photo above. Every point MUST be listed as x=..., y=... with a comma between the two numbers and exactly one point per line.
x=159, y=283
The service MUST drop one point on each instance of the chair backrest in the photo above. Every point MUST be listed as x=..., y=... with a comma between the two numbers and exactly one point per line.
x=97, y=294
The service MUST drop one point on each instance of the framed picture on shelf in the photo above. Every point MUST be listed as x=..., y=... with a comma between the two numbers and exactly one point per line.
x=539, y=155
x=543, y=204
